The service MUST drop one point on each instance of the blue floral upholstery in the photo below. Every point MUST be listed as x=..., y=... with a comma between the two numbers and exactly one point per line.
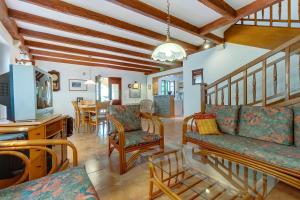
x=73, y=183
x=277, y=154
x=296, y=126
x=134, y=138
x=227, y=117
x=272, y=124
x=127, y=115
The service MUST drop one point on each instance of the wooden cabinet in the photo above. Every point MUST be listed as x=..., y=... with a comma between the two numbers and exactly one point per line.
x=51, y=128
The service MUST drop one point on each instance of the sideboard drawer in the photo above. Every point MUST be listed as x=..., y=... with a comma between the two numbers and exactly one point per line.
x=53, y=128
x=38, y=133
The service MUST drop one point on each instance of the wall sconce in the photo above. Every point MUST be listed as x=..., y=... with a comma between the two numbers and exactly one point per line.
x=134, y=85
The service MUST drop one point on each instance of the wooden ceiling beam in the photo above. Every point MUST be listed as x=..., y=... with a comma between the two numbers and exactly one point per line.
x=88, y=64
x=221, y=7
x=154, y=13
x=36, y=52
x=67, y=40
x=41, y=21
x=11, y=27
x=67, y=8
x=90, y=53
x=240, y=13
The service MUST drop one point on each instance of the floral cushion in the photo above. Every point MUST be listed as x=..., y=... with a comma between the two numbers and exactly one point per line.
x=272, y=124
x=138, y=137
x=127, y=115
x=73, y=183
x=296, y=126
x=227, y=117
x=277, y=154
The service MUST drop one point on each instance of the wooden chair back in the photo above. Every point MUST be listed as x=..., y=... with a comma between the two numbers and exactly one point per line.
x=146, y=106
x=87, y=102
x=75, y=106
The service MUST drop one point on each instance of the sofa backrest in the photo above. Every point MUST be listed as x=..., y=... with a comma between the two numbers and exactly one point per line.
x=226, y=117
x=272, y=124
x=296, y=126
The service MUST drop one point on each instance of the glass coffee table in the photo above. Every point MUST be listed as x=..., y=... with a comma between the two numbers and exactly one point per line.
x=186, y=174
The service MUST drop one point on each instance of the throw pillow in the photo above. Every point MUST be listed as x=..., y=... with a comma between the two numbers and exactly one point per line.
x=207, y=124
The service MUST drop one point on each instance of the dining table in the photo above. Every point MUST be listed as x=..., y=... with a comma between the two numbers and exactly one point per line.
x=86, y=107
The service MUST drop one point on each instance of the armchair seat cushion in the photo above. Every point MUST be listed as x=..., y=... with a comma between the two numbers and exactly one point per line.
x=277, y=154
x=73, y=183
x=138, y=137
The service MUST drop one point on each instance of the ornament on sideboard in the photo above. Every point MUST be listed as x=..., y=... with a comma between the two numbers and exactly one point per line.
x=55, y=80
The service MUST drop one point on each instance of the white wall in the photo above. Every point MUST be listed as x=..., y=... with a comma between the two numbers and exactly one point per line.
x=216, y=62
x=8, y=52
x=63, y=98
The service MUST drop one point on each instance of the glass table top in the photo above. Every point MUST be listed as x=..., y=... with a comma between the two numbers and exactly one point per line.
x=202, y=175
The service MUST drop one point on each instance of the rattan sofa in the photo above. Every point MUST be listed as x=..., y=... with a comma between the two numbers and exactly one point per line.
x=264, y=138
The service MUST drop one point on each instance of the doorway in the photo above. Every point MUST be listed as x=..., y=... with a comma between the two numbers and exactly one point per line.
x=115, y=90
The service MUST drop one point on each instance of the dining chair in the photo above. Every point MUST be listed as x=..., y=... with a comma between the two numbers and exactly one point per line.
x=99, y=114
x=79, y=116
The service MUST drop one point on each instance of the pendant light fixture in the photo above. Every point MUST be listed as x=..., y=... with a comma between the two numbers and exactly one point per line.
x=168, y=51
x=90, y=81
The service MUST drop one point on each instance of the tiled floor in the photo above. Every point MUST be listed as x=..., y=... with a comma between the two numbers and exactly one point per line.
x=133, y=185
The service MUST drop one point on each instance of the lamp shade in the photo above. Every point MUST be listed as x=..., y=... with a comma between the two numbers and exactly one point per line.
x=168, y=52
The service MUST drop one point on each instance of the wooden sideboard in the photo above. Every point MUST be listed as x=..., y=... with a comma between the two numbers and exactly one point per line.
x=53, y=127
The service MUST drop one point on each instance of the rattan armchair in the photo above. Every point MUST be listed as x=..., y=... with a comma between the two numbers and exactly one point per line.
x=16, y=148
x=127, y=135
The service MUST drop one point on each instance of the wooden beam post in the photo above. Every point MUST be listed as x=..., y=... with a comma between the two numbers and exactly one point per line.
x=203, y=96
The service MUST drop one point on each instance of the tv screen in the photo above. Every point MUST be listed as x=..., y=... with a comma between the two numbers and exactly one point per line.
x=43, y=90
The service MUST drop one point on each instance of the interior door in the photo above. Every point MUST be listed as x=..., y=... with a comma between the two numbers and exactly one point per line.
x=115, y=90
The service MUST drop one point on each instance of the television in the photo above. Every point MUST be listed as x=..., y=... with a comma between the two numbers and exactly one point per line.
x=26, y=91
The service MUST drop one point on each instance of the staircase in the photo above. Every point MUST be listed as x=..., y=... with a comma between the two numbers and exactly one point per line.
x=273, y=78
x=283, y=14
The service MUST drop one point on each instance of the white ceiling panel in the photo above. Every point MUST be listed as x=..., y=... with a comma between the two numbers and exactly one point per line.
x=191, y=11
x=238, y=4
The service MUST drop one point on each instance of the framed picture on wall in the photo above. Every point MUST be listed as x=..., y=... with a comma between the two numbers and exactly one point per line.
x=77, y=85
x=197, y=76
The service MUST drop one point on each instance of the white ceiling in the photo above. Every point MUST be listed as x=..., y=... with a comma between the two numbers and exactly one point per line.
x=191, y=11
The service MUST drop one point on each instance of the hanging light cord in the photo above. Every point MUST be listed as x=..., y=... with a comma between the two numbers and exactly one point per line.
x=169, y=21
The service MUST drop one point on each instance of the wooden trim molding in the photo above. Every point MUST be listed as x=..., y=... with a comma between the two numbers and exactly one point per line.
x=89, y=53
x=88, y=64
x=37, y=52
x=11, y=26
x=49, y=23
x=220, y=6
x=67, y=40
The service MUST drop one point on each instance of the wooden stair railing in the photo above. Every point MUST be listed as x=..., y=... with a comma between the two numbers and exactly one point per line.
x=286, y=13
x=273, y=78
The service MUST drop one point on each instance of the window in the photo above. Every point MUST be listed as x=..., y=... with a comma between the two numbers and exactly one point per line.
x=166, y=87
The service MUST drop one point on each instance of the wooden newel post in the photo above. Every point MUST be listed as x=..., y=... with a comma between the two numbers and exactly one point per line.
x=203, y=97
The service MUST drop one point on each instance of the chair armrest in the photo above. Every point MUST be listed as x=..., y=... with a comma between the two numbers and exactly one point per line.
x=157, y=125
x=120, y=129
x=185, y=127
x=13, y=147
